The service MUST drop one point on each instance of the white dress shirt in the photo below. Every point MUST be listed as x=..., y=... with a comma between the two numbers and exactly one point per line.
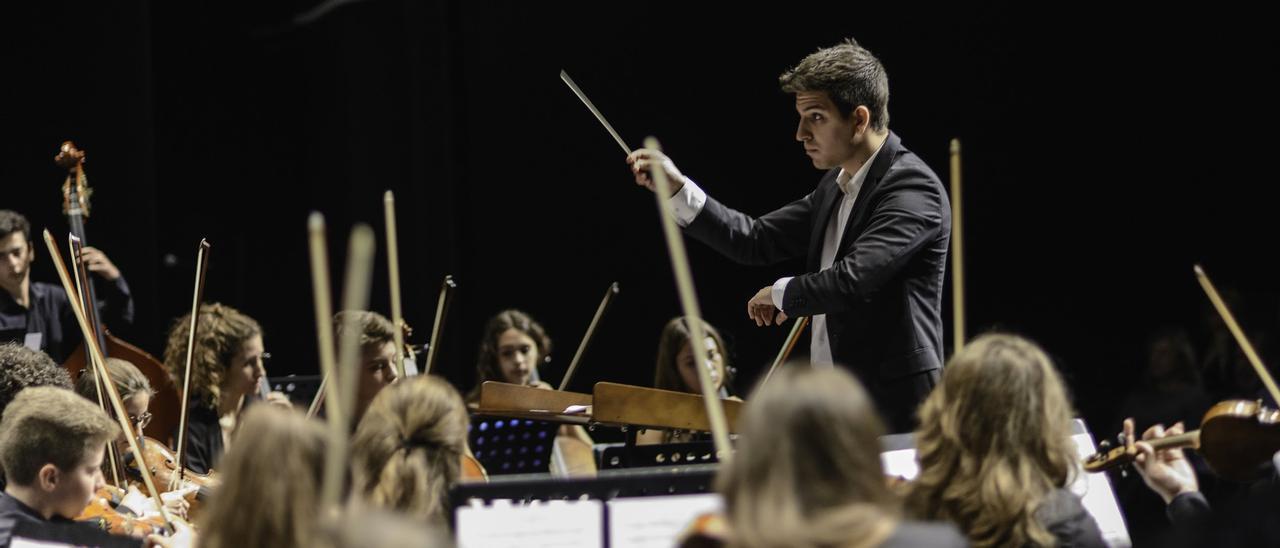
x=689, y=201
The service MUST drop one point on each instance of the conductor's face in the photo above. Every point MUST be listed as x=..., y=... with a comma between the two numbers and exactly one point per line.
x=829, y=138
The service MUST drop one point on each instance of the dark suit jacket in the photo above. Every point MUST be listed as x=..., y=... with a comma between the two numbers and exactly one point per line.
x=883, y=295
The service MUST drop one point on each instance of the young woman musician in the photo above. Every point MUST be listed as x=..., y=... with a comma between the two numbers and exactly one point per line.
x=227, y=365
x=676, y=370
x=135, y=392
x=511, y=350
x=271, y=482
x=995, y=449
x=406, y=451
x=807, y=470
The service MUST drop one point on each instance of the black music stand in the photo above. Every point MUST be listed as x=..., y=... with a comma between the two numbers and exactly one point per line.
x=506, y=445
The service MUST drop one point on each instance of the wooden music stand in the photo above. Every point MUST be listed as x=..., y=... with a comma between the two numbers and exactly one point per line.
x=626, y=405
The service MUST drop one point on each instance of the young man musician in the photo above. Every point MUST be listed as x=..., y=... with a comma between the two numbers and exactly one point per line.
x=38, y=314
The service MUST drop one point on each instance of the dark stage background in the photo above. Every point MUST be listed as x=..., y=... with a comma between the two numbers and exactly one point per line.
x=1105, y=153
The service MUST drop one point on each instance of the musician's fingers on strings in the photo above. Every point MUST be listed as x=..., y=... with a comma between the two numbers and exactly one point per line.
x=1155, y=432
x=1146, y=453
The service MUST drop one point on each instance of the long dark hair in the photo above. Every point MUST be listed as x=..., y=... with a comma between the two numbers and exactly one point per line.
x=487, y=368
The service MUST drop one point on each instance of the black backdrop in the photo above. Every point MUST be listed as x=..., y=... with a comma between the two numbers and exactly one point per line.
x=1105, y=152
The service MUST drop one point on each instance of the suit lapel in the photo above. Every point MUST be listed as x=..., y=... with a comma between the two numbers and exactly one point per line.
x=862, y=204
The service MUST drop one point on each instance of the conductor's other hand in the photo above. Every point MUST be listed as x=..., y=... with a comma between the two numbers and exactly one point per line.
x=761, y=310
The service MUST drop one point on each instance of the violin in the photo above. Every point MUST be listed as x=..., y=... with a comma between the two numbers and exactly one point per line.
x=164, y=467
x=472, y=470
x=1236, y=438
x=710, y=530
x=105, y=512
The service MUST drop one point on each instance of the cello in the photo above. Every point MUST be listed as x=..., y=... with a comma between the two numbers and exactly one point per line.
x=164, y=405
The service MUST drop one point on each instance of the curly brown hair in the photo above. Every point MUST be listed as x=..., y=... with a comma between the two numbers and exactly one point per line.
x=22, y=367
x=219, y=336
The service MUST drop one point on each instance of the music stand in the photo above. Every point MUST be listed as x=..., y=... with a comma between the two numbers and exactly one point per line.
x=506, y=445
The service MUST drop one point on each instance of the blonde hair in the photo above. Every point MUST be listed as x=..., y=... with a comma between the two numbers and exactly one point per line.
x=363, y=527
x=128, y=380
x=807, y=471
x=994, y=442
x=407, y=450
x=272, y=475
x=219, y=336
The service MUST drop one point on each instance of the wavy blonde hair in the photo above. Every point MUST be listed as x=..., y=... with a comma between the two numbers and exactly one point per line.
x=407, y=450
x=219, y=336
x=994, y=442
x=272, y=476
x=807, y=471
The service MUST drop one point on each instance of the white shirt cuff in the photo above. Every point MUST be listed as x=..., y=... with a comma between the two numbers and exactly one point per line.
x=780, y=290
x=687, y=203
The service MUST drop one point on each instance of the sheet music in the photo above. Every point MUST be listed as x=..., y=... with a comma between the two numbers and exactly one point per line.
x=901, y=463
x=19, y=542
x=551, y=524
x=1095, y=492
x=656, y=522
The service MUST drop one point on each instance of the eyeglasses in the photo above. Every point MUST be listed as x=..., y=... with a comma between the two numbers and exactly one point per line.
x=142, y=421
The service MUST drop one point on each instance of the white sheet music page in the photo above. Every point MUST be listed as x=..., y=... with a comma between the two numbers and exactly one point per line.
x=552, y=524
x=656, y=522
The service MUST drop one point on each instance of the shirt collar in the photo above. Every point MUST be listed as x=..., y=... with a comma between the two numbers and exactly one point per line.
x=849, y=184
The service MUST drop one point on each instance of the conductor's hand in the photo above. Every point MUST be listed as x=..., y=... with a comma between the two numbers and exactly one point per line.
x=760, y=308
x=643, y=160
